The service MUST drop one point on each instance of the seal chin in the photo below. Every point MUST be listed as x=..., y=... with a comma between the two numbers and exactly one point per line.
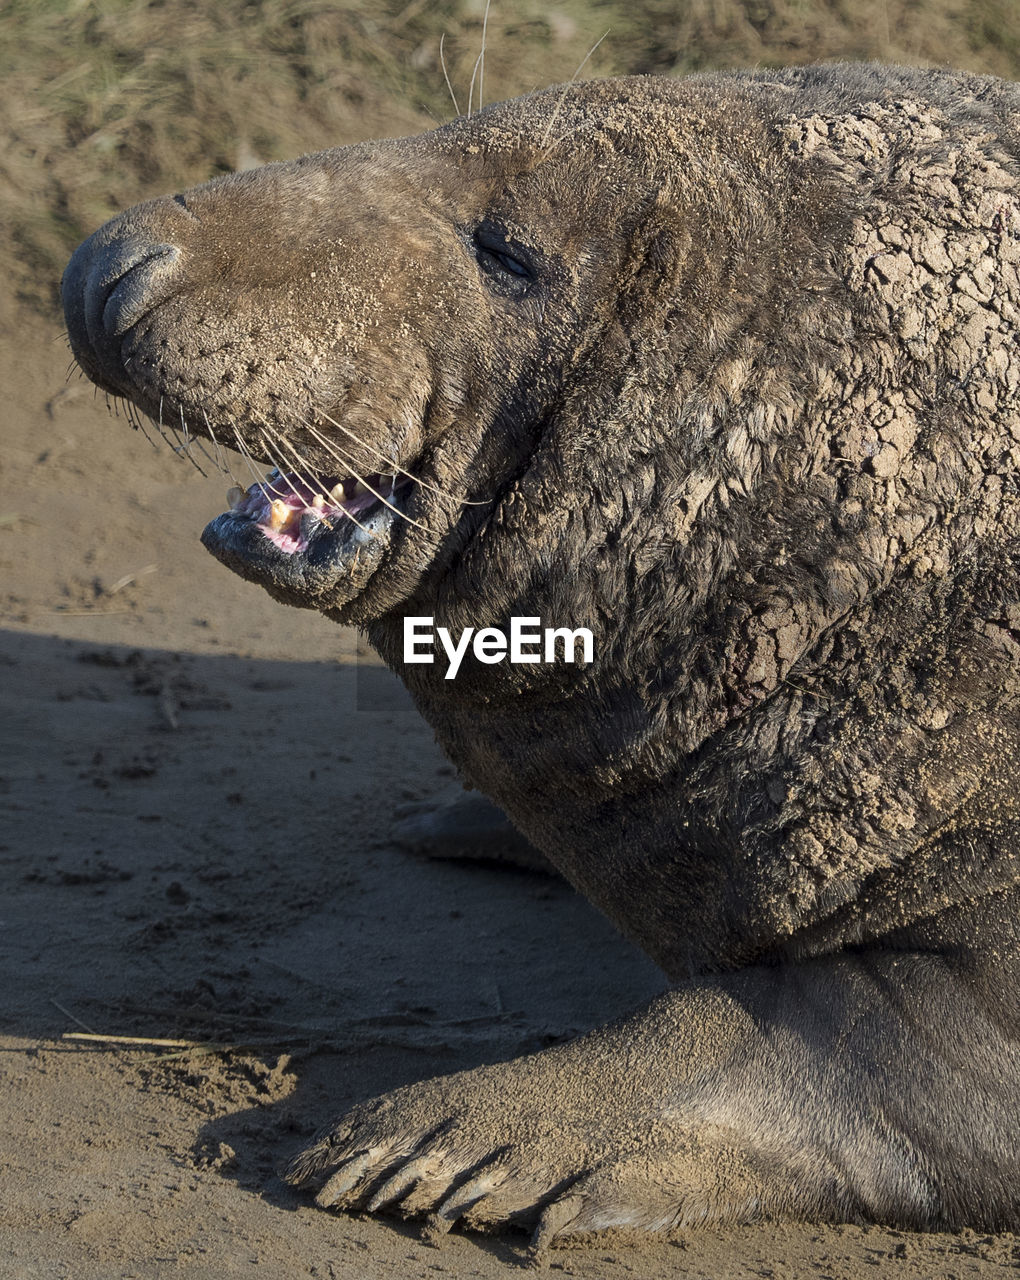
x=311, y=547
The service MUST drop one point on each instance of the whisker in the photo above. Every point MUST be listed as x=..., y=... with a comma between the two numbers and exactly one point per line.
x=354, y=436
x=201, y=443
x=162, y=433
x=312, y=487
x=134, y=416
x=481, y=56
x=361, y=480
x=391, y=463
x=446, y=74
x=249, y=462
x=221, y=457
x=140, y=425
x=187, y=435
x=471, y=87
x=184, y=450
x=566, y=87
x=306, y=475
x=338, y=454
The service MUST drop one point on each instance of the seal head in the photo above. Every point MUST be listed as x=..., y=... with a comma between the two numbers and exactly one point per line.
x=393, y=319
x=400, y=319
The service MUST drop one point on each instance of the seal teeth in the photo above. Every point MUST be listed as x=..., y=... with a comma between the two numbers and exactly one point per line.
x=359, y=489
x=337, y=492
x=279, y=514
x=319, y=502
x=235, y=496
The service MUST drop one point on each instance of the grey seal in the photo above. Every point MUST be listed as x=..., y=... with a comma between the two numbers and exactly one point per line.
x=724, y=369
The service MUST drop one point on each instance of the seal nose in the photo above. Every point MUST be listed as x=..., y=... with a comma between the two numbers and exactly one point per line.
x=111, y=282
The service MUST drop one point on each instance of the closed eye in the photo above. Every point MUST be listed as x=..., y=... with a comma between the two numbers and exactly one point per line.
x=509, y=263
x=506, y=264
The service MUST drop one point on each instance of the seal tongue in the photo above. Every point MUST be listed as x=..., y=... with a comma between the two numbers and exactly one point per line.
x=287, y=508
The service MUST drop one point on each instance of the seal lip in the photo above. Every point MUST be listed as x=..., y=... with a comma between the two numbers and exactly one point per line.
x=292, y=538
x=333, y=561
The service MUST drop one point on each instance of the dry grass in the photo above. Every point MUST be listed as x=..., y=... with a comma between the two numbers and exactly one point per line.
x=675, y=36
x=108, y=101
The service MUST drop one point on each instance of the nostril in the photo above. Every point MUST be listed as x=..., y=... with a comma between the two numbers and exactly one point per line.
x=109, y=286
x=115, y=278
x=124, y=282
x=138, y=289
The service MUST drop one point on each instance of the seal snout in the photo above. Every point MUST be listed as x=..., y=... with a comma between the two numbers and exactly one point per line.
x=112, y=281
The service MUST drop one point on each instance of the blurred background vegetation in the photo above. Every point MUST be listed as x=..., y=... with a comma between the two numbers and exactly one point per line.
x=106, y=102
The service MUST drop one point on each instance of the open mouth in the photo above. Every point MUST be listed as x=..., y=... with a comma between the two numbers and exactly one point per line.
x=290, y=510
x=312, y=540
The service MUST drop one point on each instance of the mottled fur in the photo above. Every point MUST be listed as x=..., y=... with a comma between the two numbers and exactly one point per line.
x=756, y=427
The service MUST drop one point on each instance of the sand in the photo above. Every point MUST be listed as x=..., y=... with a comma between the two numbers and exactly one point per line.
x=198, y=788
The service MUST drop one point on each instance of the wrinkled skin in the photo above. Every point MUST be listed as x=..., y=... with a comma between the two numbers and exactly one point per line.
x=724, y=369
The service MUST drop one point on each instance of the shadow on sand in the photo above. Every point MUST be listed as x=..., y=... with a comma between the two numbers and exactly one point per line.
x=197, y=847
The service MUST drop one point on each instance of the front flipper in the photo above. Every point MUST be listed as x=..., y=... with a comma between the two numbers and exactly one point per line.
x=841, y=1089
x=574, y=1139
